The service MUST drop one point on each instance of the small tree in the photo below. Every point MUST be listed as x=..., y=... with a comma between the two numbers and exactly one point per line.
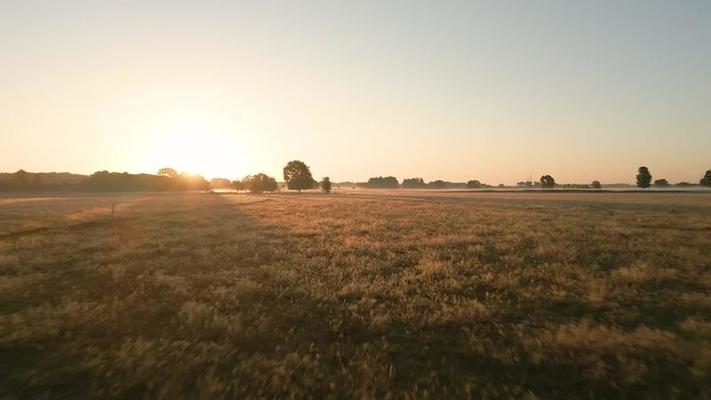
x=596, y=185
x=326, y=185
x=661, y=183
x=297, y=176
x=643, y=177
x=169, y=172
x=547, y=181
x=706, y=180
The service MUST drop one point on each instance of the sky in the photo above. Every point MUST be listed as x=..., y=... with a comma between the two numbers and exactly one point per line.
x=497, y=91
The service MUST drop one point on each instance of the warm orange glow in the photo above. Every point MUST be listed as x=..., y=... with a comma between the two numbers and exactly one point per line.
x=191, y=146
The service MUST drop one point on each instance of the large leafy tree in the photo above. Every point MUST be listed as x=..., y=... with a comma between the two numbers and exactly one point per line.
x=297, y=176
x=706, y=180
x=596, y=185
x=260, y=183
x=643, y=177
x=547, y=181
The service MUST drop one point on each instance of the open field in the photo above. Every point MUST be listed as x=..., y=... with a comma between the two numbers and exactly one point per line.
x=364, y=294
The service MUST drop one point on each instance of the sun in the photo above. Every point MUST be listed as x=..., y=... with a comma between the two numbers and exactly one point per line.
x=200, y=151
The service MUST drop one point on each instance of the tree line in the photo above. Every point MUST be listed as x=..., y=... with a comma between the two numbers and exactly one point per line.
x=297, y=176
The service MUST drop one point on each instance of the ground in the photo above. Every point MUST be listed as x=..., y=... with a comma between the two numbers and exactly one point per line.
x=381, y=294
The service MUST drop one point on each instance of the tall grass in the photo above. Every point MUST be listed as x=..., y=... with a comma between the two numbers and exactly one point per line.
x=233, y=296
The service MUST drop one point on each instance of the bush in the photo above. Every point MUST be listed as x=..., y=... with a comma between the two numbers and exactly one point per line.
x=661, y=183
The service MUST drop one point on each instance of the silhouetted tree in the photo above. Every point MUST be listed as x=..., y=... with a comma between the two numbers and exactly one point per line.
x=414, y=183
x=260, y=183
x=547, y=181
x=596, y=185
x=438, y=184
x=643, y=177
x=706, y=180
x=297, y=176
x=381, y=182
x=169, y=172
x=326, y=185
x=661, y=183
x=474, y=184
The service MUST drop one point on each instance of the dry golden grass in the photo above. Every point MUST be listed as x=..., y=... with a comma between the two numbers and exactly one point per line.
x=405, y=295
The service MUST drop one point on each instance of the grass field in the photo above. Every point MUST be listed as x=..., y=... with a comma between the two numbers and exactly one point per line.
x=399, y=294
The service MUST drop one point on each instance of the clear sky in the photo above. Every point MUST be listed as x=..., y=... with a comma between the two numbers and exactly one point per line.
x=497, y=91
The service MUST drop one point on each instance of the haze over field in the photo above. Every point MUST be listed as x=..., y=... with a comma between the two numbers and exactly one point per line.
x=455, y=90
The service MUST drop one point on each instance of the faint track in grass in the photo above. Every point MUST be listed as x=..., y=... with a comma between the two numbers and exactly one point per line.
x=66, y=227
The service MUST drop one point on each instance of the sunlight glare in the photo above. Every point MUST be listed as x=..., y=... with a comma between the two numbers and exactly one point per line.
x=194, y=149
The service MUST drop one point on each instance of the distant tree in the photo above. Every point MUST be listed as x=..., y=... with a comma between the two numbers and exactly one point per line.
x=547, y=181
x=413, y=183
x=596, y=185
x=706, y=180
x=501, y=186
x=474, y=184
x=326, y=185
x=239, y=185
x=186, y=181
x=297, y=176
x=381, y=182
x=260, y=183
x=169, y=172
x=220, y=183
x=438, y=184
x=661, y=183
x=643, y=177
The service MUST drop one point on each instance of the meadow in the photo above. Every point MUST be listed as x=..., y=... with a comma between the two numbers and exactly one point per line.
x=358, y=294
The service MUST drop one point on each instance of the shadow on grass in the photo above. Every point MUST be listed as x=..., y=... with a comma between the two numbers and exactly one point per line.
x=199, y=297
